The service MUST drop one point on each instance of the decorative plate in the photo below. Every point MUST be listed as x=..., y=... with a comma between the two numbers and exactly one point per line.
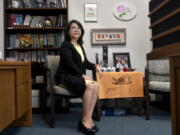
x=125, y=11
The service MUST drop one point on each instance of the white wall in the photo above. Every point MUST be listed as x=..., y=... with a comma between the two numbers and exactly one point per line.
x=1, y=27
x=137, y=30
x=138, y=34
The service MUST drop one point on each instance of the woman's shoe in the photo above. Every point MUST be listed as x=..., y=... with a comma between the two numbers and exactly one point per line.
x=95, y=128
x=85, y=130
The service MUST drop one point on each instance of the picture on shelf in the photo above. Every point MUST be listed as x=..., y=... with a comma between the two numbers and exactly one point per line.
x=90, y=12
x=15, y=4
x=108, y=36
x=52, y=4
x=48, y=22
x=121, y=61
x=25, y=40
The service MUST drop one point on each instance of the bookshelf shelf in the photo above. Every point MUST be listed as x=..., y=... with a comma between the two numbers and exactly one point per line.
x=25, y=29
x=37, y=11
x=34, y=28
x=37, y=64
x=34, y=9
x=38, y=84
x=33, y=49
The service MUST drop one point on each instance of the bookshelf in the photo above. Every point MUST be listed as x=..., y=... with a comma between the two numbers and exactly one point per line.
x=34, y=29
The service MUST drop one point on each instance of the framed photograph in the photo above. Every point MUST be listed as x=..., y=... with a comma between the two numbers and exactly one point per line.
x=90, y=12
x=108, y=36
x=15, y=4
x=121, y=60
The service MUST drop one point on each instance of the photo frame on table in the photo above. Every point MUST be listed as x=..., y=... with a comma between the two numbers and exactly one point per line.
x=108, y=36
x=122, y=60
x=90, y=12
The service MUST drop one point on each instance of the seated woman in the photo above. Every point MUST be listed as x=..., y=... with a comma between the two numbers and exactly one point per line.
x=71, y=73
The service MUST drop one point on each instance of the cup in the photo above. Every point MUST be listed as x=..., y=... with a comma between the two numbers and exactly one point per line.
x=108, y=69
x=125, y=69
x=104, y=69
x=113, y=69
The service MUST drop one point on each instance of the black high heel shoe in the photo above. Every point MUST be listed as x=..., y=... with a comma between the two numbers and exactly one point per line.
x=95, y=128
x=85, y=130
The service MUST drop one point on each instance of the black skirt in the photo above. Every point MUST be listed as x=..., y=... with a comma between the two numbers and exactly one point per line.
x=74, y=84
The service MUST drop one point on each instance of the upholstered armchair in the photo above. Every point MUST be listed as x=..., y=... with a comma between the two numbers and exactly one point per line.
x=51, y=64
x=157, y=79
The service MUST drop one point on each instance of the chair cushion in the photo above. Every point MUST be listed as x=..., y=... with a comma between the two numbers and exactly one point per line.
x=160, y=66
x=60, y=91
x=159, y=86
x=159, y=78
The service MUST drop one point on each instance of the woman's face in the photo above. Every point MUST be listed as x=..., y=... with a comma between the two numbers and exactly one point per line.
x=75, y=31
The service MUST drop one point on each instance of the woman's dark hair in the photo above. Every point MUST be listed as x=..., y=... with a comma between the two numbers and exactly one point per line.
x=67, y=36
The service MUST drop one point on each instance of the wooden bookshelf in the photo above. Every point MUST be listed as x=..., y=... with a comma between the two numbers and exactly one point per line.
x=42, y=39
x=165, y=28
x=164, y=22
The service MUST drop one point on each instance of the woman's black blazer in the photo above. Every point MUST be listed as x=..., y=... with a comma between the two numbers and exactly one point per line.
x=71, y=63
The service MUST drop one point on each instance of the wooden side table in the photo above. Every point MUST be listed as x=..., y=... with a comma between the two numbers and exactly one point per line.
x=119, y=85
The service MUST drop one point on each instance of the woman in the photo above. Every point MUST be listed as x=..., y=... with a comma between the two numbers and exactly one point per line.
x=71, y=73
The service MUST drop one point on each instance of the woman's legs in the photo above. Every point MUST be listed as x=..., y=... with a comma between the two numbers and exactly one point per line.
x=94, y=100
x=89, y=101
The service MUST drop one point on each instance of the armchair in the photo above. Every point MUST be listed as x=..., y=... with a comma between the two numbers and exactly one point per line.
x=157, y=80
x=51, y=64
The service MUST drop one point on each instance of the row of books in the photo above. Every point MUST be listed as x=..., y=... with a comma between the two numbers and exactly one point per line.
x=33, y=56
x=37, y=3
x=36, y=40
x=36, y=21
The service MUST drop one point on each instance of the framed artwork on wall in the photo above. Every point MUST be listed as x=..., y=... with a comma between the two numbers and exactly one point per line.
x=108, y=36
x=90, y=12
x=121, y=60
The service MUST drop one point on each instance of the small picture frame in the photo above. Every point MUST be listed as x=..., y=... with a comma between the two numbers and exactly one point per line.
x=48, y=22
x=122, y=60
x=108, y=36
x=52, y=5
x=15, y=4
x=90, y=12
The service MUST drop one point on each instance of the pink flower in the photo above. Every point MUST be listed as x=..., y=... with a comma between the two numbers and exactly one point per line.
x=121, y=8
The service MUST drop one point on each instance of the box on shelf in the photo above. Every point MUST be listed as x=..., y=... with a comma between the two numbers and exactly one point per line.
x=39, y=79
x=35, y=98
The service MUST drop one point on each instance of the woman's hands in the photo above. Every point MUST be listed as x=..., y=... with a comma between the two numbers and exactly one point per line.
x=98, y=68
x=86, y=77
